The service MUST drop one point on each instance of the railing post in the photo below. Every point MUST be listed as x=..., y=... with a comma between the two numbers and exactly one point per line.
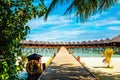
x=43, y=66
x=54, y=54
x=78, y=58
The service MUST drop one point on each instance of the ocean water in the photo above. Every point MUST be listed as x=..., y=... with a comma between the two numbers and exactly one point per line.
x=45, y=52
x=83, y=52
x=23, y=75
x=91, y=52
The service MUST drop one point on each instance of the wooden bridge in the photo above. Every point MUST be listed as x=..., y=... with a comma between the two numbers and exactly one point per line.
x=65, y=67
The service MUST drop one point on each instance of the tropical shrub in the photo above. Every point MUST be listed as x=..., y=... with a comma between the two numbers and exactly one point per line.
x=14, y=14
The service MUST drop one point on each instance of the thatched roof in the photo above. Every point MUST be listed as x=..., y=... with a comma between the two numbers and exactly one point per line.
x=83, y=42
x=107, y=40
x=30, y=41
x=95, y=41
x=101, y=41
x=116, y=39
x=89, y=42
x=78, y=42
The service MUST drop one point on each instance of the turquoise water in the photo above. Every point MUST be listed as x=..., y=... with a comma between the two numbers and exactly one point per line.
x=83, y=52
x=23, y=75
x=91, y=52
x=45, y=52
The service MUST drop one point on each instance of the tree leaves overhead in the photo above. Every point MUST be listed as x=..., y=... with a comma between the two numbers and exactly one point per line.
x=82, y=9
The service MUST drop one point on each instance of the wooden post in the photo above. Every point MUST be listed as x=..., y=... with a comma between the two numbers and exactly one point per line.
x=78, y=58
x=54, y=54
x=43, y=66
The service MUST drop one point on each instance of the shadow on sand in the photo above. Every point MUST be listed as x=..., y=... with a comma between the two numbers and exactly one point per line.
x=106, y=76
x=103, y=67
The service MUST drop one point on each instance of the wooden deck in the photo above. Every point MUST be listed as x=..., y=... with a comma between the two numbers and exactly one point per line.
x=65, y=67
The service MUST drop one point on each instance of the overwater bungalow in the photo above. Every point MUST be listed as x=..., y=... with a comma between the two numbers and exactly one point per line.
x=95, y=43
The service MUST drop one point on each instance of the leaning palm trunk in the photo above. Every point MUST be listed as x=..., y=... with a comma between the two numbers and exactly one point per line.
x=82, y=9
x=108, y=54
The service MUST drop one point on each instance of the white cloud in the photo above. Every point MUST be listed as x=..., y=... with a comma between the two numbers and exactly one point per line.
x=102, y=22
x=105, y=22
x=56, y=35
x=119, y=1
x=52, y=20
x=114, y=28
x=55, y=27
x=64, y=29
x=97, y=16
x=119, y=13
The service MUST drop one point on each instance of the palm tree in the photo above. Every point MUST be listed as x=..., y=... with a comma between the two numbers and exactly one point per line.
x=82, y=9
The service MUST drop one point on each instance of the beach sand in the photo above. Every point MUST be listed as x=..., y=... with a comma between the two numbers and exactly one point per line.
x=96, y=65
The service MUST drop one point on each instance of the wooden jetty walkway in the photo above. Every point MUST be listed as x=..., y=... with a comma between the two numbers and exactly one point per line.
x=65, y=67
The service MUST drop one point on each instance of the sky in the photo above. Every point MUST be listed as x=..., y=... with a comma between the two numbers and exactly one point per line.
x=62, y=28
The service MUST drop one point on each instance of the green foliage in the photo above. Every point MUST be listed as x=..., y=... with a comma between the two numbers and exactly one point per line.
x=23, y=59
x=14, y=14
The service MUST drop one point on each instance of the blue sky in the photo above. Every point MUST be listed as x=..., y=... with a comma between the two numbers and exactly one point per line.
x=62, y=28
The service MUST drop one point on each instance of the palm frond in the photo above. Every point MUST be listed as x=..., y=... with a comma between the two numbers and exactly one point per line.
x=70, y=9
x=106, y=4
x=83, y=9
x=51, y=7
x=53, y=4
x=86, y=9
